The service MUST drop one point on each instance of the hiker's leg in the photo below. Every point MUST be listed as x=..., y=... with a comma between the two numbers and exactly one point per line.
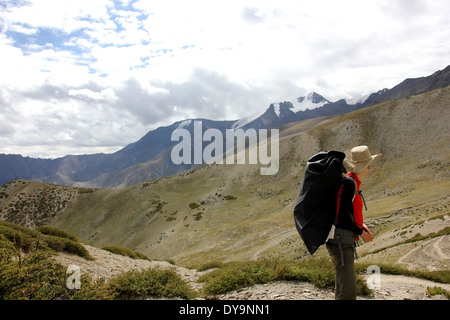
x=333, y=250
x=345, y=275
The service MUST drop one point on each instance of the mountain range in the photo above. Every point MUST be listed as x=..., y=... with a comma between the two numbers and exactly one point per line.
x=149, y=157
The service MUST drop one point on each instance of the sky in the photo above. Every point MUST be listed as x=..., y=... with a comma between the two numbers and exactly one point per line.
x=84, y=76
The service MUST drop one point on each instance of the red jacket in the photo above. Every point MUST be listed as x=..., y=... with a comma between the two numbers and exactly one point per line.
x=350, y=206
x=357, y=203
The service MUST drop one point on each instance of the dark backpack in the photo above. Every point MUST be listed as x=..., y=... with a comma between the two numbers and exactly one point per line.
x=315, y=209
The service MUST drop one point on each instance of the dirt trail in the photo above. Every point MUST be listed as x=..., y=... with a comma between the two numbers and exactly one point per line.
x=107, y=265
x=437, y=249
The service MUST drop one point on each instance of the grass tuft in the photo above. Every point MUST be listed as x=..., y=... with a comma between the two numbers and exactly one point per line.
x=124, y=251
x=432, y=291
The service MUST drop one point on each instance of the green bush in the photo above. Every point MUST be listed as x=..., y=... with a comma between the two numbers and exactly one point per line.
x=151, y=282
x=227, y=280
x=198, y=216
x=438, y=290
x=20, y=240
x=193, y=205
x=124, y=251
x=235, y=275
x=30, y=232
x=319, y=271
x=26, y=240
x=37, y=277
x=67, y=245
x=52, y=231
x=209, y=265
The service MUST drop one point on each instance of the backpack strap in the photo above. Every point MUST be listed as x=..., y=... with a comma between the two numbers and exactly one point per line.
x=362, y=197
x=358, y=192
x=338, y=200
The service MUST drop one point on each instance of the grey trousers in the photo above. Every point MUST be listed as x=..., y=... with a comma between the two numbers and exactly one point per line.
x=345, y=286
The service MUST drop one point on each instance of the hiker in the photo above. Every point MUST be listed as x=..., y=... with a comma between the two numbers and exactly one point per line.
x=350, y=226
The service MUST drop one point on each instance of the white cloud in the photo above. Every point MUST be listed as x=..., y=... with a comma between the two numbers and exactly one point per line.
x=65, y=15
x=104, y=95
x=22, y=29
x=99, y=74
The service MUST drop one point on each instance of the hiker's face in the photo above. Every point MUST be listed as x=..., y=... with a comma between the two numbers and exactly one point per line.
x=364, y=172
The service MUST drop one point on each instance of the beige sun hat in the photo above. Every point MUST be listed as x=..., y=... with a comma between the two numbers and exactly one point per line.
x=358, y=158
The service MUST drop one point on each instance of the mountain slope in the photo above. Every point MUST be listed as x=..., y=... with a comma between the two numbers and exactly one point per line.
x=439, y=79
x=31, y=203
x=231, y=212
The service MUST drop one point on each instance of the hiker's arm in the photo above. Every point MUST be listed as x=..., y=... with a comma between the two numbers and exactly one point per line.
x=367, y=235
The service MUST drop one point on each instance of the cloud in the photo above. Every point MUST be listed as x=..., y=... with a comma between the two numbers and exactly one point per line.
x=204, y=94
x=96, y=75
x=408, y=9
x=64, y=15
x=251, y=15
x=106, y=95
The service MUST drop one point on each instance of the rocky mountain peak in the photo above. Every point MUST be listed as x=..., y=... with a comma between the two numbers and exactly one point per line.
x=313, y=97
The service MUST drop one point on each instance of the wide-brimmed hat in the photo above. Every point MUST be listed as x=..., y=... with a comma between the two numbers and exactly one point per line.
x=358, y=158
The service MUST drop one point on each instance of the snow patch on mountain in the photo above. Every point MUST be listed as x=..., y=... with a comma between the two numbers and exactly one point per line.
x=358, y=100
x=276, y=109
x=311, y=101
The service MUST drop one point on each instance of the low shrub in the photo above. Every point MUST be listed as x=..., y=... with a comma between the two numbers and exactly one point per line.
x=151, y=282
x=193, y=205
x=124, y=251
x=18, y=239
x=34, y=275
x=25, y=240
x=437, y=291
x=67, y=245
x=52, y=231
x=37, y=277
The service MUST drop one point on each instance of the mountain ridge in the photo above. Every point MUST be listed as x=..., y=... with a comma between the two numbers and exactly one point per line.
x=149, y=157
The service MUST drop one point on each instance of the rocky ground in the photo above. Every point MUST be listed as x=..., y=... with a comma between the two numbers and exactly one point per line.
x=391, y=287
